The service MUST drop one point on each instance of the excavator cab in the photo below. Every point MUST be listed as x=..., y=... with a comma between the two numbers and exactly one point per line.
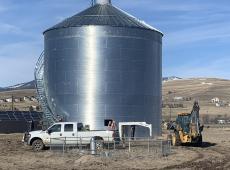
x=183, y=122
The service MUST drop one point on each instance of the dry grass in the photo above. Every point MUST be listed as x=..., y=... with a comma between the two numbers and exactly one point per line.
x=202, y=90
x=22, y=106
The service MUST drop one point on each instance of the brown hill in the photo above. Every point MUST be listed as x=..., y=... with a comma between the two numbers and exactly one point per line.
x=19, y=95
x=184, y=92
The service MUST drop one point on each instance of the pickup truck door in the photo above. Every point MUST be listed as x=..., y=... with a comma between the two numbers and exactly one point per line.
x=55, y=133
x=83, y=135
x=70, y=133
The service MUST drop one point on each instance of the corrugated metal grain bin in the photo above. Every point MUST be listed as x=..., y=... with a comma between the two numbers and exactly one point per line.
x=104, y=64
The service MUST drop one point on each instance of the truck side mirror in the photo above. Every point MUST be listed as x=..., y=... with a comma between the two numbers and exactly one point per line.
x=49, y=131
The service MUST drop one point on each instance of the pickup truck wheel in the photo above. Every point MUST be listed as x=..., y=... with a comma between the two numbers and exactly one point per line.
x=37, y=145
x=99, y=144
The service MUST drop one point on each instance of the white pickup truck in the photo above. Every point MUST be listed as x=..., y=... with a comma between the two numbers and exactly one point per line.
x=68, y=133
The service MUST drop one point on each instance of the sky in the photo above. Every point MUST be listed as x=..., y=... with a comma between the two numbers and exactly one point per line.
x=196, y=40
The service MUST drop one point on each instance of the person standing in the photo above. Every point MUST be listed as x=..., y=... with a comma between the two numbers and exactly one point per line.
x=133, y=127
x=109, y=125
x=113, y=125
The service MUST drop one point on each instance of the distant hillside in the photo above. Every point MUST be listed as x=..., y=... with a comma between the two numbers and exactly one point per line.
x=199, y=88
x=171, y=78
x=31, y=84
x=184, y=92
x=21, y=86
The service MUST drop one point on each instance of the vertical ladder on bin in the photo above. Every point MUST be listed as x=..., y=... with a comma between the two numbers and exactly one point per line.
x=48, y=116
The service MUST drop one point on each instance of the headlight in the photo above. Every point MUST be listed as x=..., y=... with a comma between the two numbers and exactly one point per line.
x=26, y=137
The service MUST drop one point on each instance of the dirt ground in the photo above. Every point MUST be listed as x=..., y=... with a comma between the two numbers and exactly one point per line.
x=214, y=154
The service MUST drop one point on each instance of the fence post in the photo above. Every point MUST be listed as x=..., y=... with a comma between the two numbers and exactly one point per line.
x=161, y=147
x=80, y=147
x=129, y=145
x=63, y=147
x=108, y=142
x=114, y=145
x=148, y=145
x=169, y=147
x=50, y=144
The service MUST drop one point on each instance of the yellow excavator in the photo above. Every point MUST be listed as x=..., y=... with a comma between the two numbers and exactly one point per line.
x=187, y=128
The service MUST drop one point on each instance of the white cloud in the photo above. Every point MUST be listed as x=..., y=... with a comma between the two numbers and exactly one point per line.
x=8, y=28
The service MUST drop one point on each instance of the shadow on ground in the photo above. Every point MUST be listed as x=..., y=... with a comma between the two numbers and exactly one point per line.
x=208, y=144
x=204, y=145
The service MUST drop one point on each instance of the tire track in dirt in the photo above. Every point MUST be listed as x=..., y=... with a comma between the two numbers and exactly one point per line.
x=189, y=163
x=226, y=154
x=205, y=159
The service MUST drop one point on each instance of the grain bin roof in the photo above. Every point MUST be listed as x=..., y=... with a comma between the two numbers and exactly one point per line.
x=104, y=15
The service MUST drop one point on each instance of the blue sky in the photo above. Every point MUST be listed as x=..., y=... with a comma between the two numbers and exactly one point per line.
x=196, y=39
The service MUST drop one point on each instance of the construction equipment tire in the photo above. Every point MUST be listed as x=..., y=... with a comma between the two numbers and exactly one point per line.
x=175, y=140
x=199, y=141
